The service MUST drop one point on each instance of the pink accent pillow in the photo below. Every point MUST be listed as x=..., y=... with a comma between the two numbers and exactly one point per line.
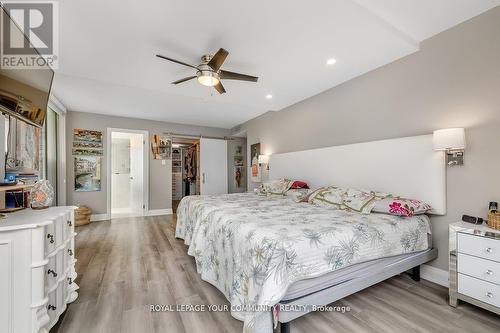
x=401, y=207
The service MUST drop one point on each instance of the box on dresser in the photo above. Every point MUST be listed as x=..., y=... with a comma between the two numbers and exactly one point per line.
x=37, y=268
x=475, y=265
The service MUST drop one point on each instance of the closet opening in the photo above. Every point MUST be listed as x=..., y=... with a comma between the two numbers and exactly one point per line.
x=199, y=166
x=185, y=169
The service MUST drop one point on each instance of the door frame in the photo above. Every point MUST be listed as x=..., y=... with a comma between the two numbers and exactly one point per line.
x=145, y=176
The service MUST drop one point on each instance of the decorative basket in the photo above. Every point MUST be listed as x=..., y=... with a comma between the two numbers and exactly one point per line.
x=494, y=220
x=82, y=215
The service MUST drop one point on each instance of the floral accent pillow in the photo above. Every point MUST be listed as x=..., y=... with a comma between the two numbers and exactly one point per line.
x=401, y=207
x=360, y=201
x=327, y=196
x=274, y=187
x=298, y=194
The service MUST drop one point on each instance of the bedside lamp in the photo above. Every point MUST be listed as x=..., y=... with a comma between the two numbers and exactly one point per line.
x=452, y=141
x=264, y=159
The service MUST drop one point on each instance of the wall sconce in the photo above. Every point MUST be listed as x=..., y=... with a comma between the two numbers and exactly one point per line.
x=452, y=141
x=264, y=159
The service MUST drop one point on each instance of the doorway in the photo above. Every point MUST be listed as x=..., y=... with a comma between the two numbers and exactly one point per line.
x=128, y=173
x=199, y=166
x=185, y=169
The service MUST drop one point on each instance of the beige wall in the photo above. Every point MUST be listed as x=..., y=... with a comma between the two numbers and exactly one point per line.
x=160, y=176
x=453, y=81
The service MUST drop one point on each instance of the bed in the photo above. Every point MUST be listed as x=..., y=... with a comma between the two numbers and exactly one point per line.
x=274, y=258
x=263, y=251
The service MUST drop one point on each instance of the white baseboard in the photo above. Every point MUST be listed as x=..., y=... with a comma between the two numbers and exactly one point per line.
x=436, y=275
x=151, y=212
x=99, y=217
x=157, y=212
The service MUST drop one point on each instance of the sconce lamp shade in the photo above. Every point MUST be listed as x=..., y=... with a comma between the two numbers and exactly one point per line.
x=263, y=159
x=449, y=139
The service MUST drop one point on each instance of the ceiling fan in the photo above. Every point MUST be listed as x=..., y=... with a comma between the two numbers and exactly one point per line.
x=209, y=72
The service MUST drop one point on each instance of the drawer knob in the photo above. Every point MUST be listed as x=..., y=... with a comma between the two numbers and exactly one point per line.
x=489, y=272
x=51, y=237
x=70, y=252
x=70, y=280
x=70, y=223
x=489, y=250
x=50, y=271
x=51, y=307
x=489, y=294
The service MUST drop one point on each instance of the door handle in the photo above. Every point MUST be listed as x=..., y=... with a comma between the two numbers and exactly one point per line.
x=203, y=180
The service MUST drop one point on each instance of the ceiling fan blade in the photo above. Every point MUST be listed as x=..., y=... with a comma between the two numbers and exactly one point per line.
x=237, y=76
x=218, y=59
x=176, y=61
x=184, y=79
x=220, y=88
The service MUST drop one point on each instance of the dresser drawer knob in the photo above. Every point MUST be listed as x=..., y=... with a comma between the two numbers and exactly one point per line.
x=70, y=223
x=70, y=281
x=489, y=272
x=489, y=295
x=51, y=307
x=50, y=271
x=51, y=237
x=70, y=252
x=489, y=250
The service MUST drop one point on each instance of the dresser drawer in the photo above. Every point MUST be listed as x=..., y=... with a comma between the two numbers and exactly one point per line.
x=483, y=247
x=487, y=270
x=481, y=290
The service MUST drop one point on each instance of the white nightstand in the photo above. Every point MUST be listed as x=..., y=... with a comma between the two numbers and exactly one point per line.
x=475, y=265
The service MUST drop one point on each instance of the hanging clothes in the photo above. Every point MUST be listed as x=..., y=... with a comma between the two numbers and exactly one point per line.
x=191, y=164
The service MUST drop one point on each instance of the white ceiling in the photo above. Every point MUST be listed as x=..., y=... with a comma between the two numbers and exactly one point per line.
x=108, y=63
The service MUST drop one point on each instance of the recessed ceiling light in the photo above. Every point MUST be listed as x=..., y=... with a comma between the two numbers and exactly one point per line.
x=269, y=96
x=331, y=61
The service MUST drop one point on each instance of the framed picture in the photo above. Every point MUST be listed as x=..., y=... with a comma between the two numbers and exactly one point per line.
x=83, y=138
x=87, y=142
x=238, y=176
x=255, y=174
x=87, y=152
x=238, y=161
x=23, y=153
x=161, y=147
x=87, y=173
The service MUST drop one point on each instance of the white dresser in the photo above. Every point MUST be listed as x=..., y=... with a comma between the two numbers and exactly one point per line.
x=475, y=265
x=37, y=268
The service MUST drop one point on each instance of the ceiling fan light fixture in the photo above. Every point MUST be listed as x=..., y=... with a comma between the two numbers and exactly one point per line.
x=208, y=78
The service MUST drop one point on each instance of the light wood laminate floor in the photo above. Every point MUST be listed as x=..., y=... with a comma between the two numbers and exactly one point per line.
x=124, y=265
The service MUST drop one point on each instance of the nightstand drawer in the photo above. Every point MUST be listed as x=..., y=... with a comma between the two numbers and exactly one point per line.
x=483, y=247
x=483, y=269
x=481, y=290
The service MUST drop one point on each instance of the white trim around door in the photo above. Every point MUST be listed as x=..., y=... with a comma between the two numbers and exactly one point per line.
x=145, y=180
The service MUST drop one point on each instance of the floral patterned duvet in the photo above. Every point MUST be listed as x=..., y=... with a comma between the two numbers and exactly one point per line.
x=252, y=248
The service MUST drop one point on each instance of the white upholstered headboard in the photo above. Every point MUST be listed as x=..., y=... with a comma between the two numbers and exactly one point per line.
x=408, y=167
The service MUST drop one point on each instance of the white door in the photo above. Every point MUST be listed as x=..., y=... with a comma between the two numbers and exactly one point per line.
x=213, y=166
x=136, y=173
